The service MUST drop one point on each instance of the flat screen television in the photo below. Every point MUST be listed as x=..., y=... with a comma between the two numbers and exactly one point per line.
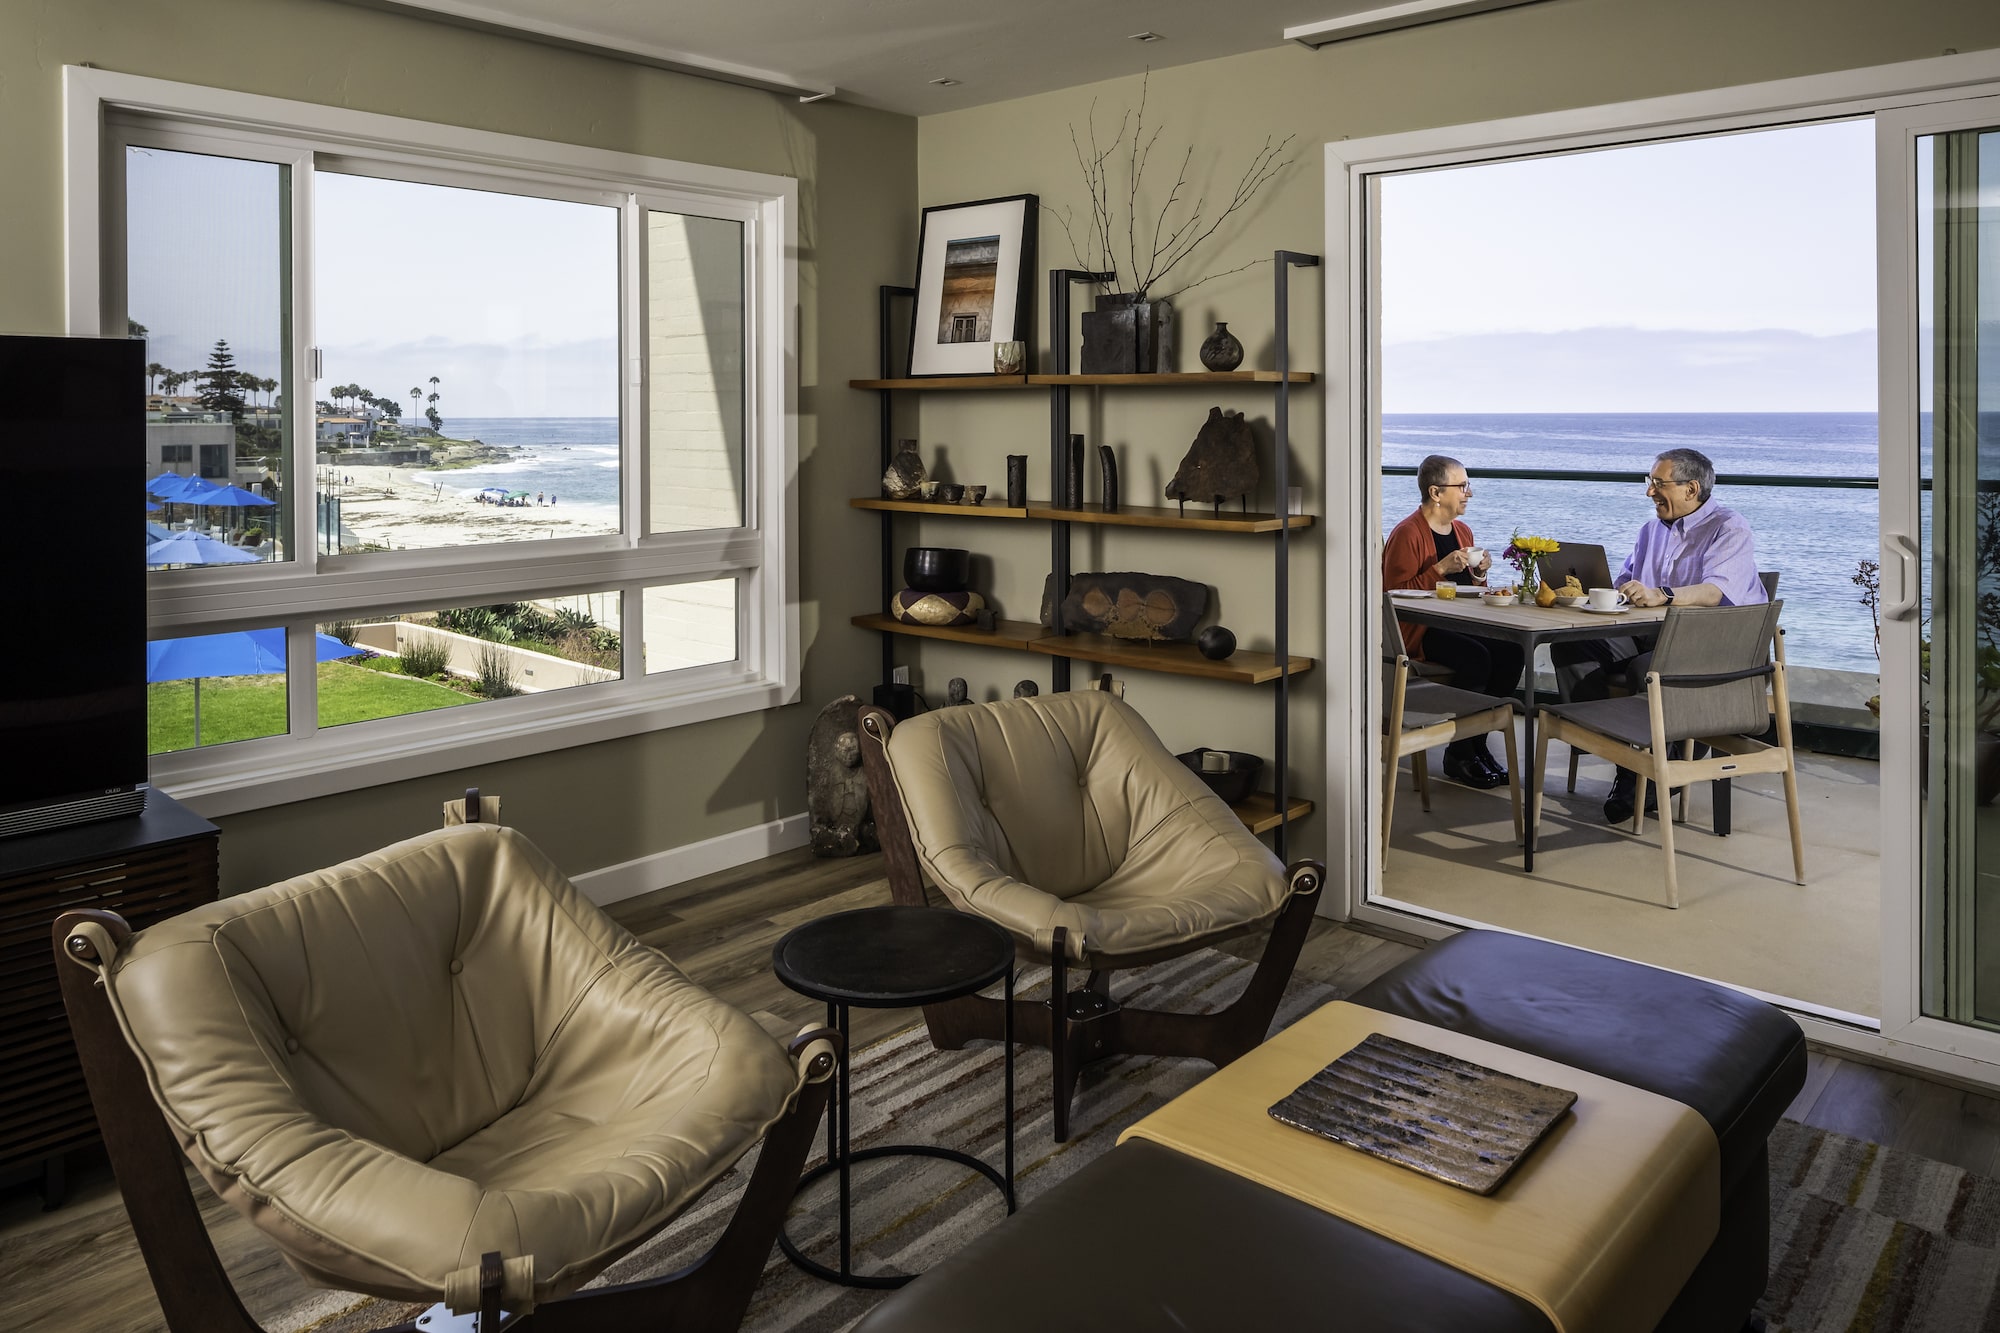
x=73, y=669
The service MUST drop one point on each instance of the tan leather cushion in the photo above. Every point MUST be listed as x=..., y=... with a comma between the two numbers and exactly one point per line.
x=1065, y=810
x=438, y=1050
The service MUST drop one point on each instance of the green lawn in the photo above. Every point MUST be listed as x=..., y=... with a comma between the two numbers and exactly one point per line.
x=240, y=708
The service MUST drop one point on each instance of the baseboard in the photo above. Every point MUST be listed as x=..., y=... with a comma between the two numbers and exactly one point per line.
x=677, y=865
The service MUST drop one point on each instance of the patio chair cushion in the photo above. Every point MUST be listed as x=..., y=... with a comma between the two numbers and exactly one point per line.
x=1066, y=810
x=1626, y=718
x=438, y=1050
x=1426, y=704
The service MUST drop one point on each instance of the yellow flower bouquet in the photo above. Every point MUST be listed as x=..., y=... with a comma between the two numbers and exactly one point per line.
x=1525, y=554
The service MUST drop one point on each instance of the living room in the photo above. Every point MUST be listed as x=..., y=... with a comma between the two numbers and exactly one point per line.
x=675, y=795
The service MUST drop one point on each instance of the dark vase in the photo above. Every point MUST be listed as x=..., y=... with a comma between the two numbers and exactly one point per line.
x=1072, y=488
x=1126, y=336
x=1108, y=463
x=1221, y=350
x=1017, y=481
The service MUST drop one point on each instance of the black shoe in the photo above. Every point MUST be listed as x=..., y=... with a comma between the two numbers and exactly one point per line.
x=1467, y=771
x=1618, y=805
x=1485, y=759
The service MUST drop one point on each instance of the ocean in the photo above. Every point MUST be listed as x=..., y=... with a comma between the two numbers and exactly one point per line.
x=1815, y=538
x=573, y=458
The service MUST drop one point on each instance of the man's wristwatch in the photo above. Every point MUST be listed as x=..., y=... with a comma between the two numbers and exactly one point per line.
x=1667, y=593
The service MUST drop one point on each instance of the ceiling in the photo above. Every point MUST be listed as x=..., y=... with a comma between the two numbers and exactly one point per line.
x=884, y=53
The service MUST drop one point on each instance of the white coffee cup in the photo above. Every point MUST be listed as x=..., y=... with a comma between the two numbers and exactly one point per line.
x=1606, y=599
x=1474, y=557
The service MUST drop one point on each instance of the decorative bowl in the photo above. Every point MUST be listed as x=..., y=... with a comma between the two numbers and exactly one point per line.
x=937, y=568
x=1233, y=785
x=1500, y=599
x=1570, y=601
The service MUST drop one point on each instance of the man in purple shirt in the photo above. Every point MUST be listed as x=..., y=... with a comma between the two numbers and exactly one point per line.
x=1695, y=553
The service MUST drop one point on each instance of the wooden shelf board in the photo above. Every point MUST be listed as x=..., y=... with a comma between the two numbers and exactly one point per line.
x=1201, y=518
x=1169, y=378
x=1015, y=634
x=946, y=382
x=984, y=509
x=1259, y=811
x=1180, y=659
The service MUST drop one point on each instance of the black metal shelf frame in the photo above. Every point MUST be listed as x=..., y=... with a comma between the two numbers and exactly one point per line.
x=1060, y=282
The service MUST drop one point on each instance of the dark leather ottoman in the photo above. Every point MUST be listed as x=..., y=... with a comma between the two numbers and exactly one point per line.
x=1145, y=1238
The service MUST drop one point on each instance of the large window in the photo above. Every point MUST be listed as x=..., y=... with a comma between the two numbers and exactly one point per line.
x=460, y=445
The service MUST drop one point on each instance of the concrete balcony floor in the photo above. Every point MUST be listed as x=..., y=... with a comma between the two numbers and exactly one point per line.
x=1742, y=920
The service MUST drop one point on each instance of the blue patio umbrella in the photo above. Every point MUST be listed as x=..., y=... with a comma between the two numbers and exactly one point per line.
x=253, y=652
x=154, y=532
x=184, y=490
x=233, y=496
x=193, y=548
x=152, y=508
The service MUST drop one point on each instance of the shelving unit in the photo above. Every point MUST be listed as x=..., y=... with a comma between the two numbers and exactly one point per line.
x=1263, y=812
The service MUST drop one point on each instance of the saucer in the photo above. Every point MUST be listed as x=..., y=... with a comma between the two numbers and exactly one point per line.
x=1602, y=610
x=1408, y=594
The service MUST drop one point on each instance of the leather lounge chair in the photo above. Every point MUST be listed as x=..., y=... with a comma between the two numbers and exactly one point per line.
x=1064, y=819
x=434, y=1073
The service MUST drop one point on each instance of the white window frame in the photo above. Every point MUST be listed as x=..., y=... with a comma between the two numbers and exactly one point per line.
x=1354, y=452
x=762, y=554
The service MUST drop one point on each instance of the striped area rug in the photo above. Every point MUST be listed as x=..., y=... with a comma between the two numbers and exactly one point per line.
x=1866, y=1239
x=910, y=1211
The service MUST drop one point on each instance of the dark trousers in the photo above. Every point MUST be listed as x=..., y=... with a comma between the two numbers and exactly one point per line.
x=1484, y=666
x=1588, y=669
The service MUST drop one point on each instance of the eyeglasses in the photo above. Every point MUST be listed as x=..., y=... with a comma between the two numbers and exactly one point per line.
x=1661, y=483
x=1465, y=486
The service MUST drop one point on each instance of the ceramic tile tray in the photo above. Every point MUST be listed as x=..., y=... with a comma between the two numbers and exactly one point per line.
x=1456, y=1121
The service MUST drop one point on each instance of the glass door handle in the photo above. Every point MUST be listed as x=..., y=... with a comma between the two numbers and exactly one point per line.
x=1899, y=551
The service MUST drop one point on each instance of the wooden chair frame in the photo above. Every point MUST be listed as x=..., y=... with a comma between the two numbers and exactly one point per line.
x=1733, y=756
x=194, y=1289
x=1088, y=1025
x=1417, y=741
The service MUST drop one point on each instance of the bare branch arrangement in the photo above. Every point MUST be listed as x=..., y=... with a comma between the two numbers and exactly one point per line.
x=1148, y=258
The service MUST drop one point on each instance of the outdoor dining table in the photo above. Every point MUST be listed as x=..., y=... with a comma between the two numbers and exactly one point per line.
x=1529, y=626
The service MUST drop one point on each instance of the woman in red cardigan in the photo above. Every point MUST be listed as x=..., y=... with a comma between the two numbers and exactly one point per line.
x=1432, y=546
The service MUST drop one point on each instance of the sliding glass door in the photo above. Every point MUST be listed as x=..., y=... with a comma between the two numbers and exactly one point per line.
x=1943, y=632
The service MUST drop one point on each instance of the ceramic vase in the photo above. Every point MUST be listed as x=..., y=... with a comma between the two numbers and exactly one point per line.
x=1221, y=350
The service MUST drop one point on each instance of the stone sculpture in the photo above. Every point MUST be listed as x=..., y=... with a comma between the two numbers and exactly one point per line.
x=1152, y=607
x=1026, y=689
x=842, y=824
x=905, y=475
x=1220, y=465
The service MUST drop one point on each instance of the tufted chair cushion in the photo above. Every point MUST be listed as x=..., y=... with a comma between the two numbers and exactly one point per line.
x=1065, y=810
x=441, y=1049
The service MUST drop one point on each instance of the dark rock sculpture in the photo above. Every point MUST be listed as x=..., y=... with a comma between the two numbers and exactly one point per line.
x=1220, y=465
x=1017, y=481
x=1072, y=492
x=836, y=791
x=955, y=694
x=905, y=473
x=1156, y=608
x=1026, y=689
x=1216, y=643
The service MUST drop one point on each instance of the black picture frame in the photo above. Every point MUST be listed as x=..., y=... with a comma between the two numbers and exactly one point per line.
x=945, y=327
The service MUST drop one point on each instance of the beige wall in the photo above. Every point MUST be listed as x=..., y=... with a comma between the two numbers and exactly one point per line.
x=1569, y=53
x=592, y=805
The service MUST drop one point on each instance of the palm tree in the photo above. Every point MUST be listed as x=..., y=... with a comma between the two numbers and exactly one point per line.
x=154, y=370
x=416, y=397
x=269, y=387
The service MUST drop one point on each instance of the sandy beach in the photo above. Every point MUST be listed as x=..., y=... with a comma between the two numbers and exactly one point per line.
x=389, y=507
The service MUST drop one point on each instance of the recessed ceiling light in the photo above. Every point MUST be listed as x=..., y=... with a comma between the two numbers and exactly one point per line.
x=1144, y=37
x=944, y=83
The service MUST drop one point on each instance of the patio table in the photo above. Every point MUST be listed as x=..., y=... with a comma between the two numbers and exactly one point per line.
x=1529, y=626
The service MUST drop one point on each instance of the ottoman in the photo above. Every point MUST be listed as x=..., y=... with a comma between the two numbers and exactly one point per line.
x=1146, y=1238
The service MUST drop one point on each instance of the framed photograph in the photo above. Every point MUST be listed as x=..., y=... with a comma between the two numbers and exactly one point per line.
x=975, y=284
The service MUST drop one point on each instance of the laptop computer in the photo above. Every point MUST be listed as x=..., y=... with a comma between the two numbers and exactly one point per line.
x=1582, y=559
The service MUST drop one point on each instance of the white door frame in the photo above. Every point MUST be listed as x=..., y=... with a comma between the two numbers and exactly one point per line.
x=1353, y=454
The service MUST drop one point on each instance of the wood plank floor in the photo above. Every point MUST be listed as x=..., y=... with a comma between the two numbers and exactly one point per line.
x=77, y=1269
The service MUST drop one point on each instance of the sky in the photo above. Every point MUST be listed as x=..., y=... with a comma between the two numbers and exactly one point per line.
x=512, y=302
x=1728, y=274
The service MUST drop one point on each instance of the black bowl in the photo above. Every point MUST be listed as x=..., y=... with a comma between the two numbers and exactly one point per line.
x=1234, y=785
x=937, y=568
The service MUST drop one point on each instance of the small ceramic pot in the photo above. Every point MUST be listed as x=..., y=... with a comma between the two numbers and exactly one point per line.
x=950, y=492
x=1221, y=350
x=975, y=494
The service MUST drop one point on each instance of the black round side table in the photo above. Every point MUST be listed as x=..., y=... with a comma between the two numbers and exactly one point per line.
x=894, y=958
